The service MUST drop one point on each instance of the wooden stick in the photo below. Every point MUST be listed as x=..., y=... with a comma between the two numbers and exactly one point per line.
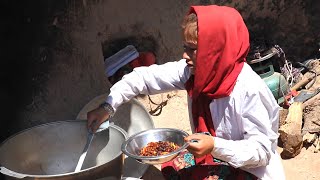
x=302, y=83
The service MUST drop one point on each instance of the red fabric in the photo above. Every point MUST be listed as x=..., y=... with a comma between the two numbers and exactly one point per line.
x=223, y=44
x=144, y=59
x=183, y=167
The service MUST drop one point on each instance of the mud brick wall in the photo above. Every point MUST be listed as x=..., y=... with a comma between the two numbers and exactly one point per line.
x=52, y=51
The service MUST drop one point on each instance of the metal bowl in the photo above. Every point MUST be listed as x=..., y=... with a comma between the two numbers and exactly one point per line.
x=132, y=146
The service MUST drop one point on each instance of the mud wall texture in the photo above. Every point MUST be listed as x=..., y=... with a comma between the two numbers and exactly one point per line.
x=53, y=51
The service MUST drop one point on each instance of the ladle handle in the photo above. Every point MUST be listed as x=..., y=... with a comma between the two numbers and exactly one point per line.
x=84, y=152
x=10, y=173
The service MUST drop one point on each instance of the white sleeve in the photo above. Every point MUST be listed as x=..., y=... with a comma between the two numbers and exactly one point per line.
x=149, y=80
x=254, y=148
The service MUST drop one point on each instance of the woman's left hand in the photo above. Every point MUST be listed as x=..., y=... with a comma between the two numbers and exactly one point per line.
x=202, y=146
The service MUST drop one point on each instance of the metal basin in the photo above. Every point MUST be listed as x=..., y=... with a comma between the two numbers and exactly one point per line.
x=51, y=151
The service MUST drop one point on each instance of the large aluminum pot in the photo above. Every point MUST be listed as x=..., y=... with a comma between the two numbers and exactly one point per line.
x=52, y=150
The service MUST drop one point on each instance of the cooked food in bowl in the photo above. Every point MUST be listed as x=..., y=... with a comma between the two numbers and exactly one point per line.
x=158, y=148
x=144, y=142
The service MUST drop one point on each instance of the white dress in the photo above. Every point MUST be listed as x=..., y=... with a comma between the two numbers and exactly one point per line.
x=246, y=122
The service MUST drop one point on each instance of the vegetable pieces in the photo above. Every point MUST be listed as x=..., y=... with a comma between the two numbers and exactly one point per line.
x=158, y=148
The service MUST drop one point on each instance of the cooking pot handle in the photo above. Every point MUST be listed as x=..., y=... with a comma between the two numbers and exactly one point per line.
x=10, y=173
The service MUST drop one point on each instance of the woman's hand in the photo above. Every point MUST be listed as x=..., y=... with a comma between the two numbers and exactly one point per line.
x=202, y=146
x=96, y=117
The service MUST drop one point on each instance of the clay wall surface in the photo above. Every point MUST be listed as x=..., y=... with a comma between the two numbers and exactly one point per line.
x=53, y=51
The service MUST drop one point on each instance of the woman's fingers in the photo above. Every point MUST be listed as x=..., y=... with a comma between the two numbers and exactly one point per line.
x=194, y=138
x=96, y=125
x=90, y=120
x=95, y=118
x=200, y=144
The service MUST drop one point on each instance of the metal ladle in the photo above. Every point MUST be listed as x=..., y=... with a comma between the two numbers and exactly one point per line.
x=90, y=136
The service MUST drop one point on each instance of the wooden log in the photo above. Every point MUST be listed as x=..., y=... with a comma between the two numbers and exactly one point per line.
x=311, y=115
x=290, y=132
x=302, y=83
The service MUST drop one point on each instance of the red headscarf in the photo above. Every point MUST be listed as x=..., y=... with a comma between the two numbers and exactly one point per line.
x=223, y=44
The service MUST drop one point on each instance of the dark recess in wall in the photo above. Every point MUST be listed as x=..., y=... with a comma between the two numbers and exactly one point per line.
x=141, y=43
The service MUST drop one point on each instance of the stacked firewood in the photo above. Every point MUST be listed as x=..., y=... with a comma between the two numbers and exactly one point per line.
x=300, y=123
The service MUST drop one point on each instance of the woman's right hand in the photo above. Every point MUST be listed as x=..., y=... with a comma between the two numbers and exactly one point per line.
x=202, y=146
x=96, y=117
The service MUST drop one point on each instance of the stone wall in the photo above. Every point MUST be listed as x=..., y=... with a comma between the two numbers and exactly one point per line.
x=54, y=50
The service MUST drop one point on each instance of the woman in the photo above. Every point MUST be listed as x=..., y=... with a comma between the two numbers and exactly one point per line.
x=229, y=100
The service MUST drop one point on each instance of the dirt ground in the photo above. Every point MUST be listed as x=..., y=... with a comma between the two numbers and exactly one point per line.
x=175, y=115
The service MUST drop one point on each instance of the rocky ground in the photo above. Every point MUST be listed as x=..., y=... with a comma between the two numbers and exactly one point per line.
x=174, y=114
